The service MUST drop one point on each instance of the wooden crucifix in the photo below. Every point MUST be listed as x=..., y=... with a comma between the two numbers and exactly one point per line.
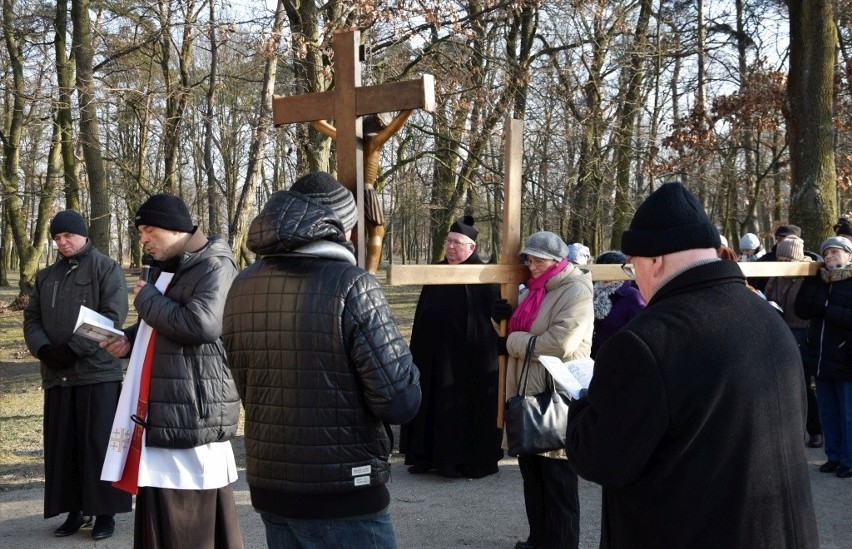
x=346, y=104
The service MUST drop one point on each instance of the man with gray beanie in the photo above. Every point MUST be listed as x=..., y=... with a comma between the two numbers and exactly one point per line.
x=81, y=381
x=322, y=371
x=180, y=463
x=826, y=300
x=693, y=421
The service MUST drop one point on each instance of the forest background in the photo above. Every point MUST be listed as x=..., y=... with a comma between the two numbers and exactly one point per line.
x=105, y=102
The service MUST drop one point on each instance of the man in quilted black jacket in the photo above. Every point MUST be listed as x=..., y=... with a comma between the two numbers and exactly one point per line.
x=321, y=369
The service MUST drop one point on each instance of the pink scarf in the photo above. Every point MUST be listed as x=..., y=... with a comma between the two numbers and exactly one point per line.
x=526, y=312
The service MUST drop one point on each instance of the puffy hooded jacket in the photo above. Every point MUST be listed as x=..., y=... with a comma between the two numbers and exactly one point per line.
x=320, y=366
x=193, y=398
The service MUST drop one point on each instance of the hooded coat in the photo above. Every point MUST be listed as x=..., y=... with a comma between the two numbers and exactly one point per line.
x=693, y=422
x=826, y=300
x=320, y=366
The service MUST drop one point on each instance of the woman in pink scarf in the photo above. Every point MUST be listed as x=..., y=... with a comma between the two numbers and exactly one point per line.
x=557, y=309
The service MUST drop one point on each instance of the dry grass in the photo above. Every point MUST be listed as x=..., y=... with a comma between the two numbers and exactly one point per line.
x=21, y=401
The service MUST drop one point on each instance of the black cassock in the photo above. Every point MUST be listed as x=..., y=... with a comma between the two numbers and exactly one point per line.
x=455, y=348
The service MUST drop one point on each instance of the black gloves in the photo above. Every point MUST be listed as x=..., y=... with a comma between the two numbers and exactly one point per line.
x=500, y=310
x=501, y=346
x=57, y=357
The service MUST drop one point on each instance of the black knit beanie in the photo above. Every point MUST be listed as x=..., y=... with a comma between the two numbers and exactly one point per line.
x=68, y=221
x=328, y=191
x=165, y=211
x=611, y=257
x=670, y=220
x=464, y=225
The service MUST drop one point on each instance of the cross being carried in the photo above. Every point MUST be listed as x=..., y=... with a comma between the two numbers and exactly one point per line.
x=347, y=104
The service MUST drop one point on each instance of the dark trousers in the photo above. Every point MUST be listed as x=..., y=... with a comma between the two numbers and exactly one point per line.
x=812, y=423
x=552, y=502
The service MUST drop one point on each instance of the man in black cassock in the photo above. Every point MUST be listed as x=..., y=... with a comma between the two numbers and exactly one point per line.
x=454, y=345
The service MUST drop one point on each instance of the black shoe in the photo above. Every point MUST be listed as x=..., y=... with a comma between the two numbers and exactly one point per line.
x=829, y=467
x=524, y=545
x=449, y=471
x=104, y=527
x=844, y=472
x=815, y=441
x=419, y=469
x=477, y=471
x=72, y=524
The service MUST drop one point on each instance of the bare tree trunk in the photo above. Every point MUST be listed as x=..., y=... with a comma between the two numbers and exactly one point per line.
x=209, y=167
x=28, y=251
x=65, y=81
x=625, y=130
x=813, y=200
x=99, y=220
x=239, y=226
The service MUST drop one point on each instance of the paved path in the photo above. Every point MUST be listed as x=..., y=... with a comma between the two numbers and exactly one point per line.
x=428, y=512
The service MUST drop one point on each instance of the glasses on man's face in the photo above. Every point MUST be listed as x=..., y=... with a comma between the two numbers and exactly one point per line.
x=629, y=270
x=454, y=242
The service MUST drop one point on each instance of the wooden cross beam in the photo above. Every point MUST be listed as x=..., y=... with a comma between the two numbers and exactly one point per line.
x=406, y=275
x=346, y=104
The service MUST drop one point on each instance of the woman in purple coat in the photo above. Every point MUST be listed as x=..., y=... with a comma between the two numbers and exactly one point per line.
x=615, y=302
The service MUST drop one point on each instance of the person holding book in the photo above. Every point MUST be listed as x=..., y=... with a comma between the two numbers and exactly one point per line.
x=556, y=309
x=693, y=420
x=180, y=462
x=81, y=381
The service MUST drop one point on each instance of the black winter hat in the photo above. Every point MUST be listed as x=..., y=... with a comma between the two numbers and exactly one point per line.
x=165, y=211
x=68, y=221
x=784, y=231
x=843, y=227
x=328, y=191
x=670, y=220
x=612, y=257
x=464, y=225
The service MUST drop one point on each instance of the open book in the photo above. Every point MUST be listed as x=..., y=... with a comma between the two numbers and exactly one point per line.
x=574, y=376
x=94, y=325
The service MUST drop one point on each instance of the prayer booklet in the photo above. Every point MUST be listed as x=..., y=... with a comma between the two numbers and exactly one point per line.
x=94, y=325
x=574, y=375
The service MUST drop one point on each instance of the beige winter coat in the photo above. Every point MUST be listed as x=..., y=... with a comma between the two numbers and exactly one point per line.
x=564, y=327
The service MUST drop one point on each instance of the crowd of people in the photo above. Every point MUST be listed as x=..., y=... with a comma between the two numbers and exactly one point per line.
x=679, y=405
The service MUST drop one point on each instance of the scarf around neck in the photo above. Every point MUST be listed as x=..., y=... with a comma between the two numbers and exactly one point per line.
x=526, y=312
x=602, y=301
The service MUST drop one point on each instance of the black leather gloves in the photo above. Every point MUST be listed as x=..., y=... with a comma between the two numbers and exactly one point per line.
x=501, y=346
x=57, y=357
x=500, y=310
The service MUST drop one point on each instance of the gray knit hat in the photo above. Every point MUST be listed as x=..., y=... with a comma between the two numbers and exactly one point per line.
x=836, y=242
x=68, y=221
x=579, y=254
x=546, y=245
x=792, y=248
x=328, y=191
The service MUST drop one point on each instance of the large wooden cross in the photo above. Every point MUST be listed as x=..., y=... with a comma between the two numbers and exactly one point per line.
x=346, y=104
x=509, y=273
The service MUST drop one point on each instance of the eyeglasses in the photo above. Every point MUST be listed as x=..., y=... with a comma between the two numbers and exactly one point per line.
x=629, y=270
x=454, y=242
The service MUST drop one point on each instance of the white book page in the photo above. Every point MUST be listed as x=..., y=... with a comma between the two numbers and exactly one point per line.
x=563, y=375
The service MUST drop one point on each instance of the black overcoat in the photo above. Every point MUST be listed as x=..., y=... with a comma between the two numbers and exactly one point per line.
x=454, y=345
x=694, y=422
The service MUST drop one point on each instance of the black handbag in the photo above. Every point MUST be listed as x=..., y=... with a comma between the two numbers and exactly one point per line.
x=536, y=423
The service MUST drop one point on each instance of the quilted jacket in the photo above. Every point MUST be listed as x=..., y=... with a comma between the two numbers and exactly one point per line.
x=320, y=366
x=193, y=398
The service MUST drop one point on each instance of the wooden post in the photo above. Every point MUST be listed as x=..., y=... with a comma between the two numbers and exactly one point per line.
x=513, y=152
